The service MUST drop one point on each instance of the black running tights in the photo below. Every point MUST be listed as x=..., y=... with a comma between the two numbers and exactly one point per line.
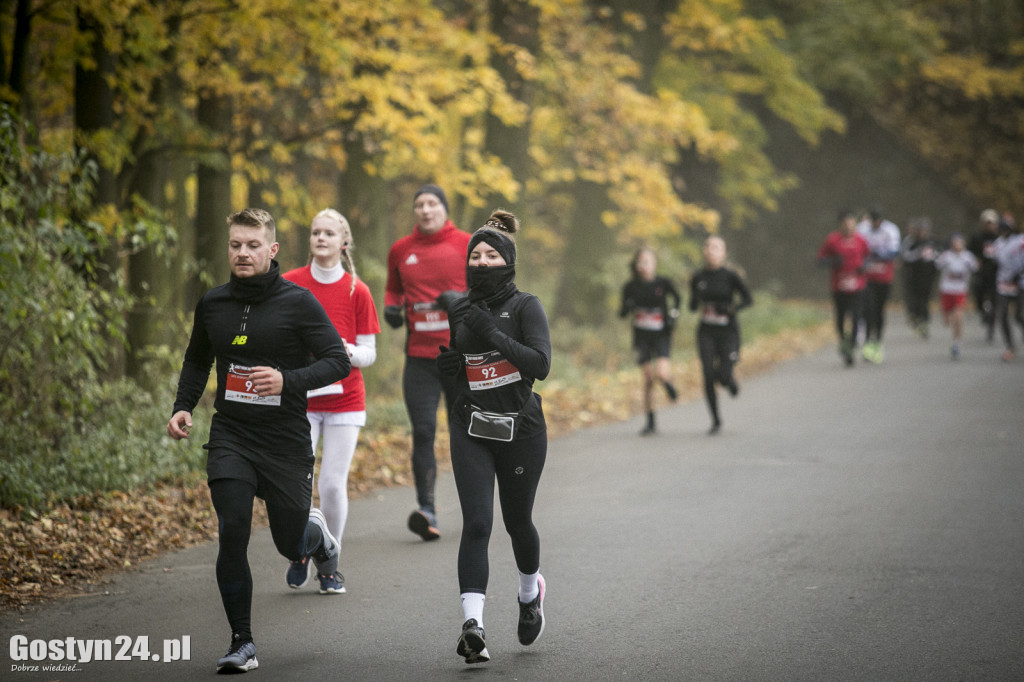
x=875, y=297
x=422, y=386
x=517, y=466
x=719, y=349
x=848, y=306
x=233, y=500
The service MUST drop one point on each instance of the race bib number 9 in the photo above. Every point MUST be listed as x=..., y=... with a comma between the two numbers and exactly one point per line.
x=427, y=317
x=490, y=370
x=239, y=388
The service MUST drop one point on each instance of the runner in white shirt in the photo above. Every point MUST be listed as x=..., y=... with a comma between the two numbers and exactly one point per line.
x=883, y=238
x=956, y=266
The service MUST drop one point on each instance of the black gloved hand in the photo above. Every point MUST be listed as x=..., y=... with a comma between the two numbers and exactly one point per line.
x=449, y=361
x=457, y=310
x=447, y=298
x=480, y=321
x=393, y=316
x=672, y=319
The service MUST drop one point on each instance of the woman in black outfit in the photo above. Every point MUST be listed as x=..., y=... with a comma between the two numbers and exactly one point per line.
x=652, y=303
x=499, y=346
x=713, y=292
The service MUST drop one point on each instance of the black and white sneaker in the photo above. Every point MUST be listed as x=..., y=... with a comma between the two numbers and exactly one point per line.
x=471, y=644
x=531, y=616
x=240, y=658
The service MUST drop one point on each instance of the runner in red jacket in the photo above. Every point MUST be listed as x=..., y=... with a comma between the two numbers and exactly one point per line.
x=426, y=269
x=845, y=252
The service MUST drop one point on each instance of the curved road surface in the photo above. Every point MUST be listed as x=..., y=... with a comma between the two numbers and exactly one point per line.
x=862, y=524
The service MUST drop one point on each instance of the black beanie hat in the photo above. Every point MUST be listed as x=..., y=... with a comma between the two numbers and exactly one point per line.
x=499, y=232
x=436, y=191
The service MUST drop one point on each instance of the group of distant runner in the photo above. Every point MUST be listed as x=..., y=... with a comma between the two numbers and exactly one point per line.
x=862, y=254
x=651, y=302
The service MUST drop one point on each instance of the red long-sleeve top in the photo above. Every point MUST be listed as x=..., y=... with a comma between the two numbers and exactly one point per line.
x=420, y=267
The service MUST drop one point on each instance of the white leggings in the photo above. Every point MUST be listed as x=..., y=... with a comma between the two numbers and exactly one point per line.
x=339, y=447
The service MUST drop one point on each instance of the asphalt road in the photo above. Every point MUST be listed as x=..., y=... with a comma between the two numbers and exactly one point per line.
x=847, y=524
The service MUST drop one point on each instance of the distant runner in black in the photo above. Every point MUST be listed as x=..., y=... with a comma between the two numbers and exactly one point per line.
x=713, y=295
x=652, y=304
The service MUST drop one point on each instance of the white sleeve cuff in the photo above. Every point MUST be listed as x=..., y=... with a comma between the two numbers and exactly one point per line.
x=364, y=352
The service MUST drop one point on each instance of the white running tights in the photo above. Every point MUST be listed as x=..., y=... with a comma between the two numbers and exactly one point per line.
x=339, y=447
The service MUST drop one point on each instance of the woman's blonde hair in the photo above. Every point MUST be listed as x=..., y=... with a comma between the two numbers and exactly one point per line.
x=346, y=242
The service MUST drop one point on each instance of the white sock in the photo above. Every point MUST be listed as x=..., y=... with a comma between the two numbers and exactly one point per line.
x=528, y=588
x=473, y=607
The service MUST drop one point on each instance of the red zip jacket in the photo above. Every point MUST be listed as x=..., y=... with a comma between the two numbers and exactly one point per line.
x=420, y=267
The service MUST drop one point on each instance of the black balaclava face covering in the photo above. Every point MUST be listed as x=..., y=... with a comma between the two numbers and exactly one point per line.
x=492, y=284
x=256, y=288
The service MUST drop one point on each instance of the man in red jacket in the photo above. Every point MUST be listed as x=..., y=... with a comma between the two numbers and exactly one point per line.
x=425, y=270
x=846, y=252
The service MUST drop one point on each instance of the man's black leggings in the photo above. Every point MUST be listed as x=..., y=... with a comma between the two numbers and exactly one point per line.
x=517, y=466
x=848, y=305
x=719, y=349
x=875, y=297
x=233, y=500
x=422, y=385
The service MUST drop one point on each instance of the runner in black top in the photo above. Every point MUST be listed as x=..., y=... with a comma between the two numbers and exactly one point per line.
x=713, y=292
x=652, y=302
x=499, y=346
x=982, y=245
x=261, y=330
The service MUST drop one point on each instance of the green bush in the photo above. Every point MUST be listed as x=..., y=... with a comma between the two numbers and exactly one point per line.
x=63, y=430
x=119, y=445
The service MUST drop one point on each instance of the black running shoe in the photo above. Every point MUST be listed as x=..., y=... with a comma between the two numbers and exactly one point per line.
x=673, y=394
x=471, y=644
x=424, y=524
x=531, y=617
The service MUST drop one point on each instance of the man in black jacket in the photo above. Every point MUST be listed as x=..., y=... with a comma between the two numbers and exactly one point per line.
x=261, y=330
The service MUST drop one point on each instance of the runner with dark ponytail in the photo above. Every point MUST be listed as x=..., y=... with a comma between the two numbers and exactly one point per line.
x=499, y=346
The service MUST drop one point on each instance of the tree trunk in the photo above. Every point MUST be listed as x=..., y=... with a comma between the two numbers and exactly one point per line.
x=364, y=200
x=149, y=277
x=94, y=112
x=517, y=24
x=582, y=292
x=213, y=195
x=19, y=50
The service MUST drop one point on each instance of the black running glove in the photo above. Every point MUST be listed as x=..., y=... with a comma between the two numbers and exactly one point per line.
x=393, y=316
x=449, y=361
x=447, y=298
x=480, y=321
